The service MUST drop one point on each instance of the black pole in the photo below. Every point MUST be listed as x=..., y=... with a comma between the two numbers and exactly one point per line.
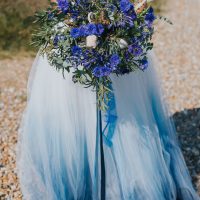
x=103, y=170
x=102, y=160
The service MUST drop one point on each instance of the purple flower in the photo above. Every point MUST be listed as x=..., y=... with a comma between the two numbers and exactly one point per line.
x=75, y=32
x=128, y=9
x=102, y=71
x=151, y=10
x=100, y=29
x=150, y=17
x=76, y=50
x=135, y=49
x=132, y=15
x=63, y=5
x=143, y=64
x=114, y=60
x=106, y=70
x=126, y=6
x=129, y=20
x=57, y=39
x=82, y=31
x=90, y=29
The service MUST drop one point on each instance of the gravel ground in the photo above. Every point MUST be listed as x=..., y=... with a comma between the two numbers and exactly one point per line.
x=178, y=51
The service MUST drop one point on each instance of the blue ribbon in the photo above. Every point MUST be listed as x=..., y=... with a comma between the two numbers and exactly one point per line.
x=110, y=119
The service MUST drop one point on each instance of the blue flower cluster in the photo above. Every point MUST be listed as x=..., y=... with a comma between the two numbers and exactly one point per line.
x=101, y=71
x=135, y=49
x=108, y=68
x=76, y=50
x=63, y=5
x=128, y=9
x=150, y=16
x=144, y=64
x=85, y=30
x=84, y=57
x=114, y=61
x=57, y=39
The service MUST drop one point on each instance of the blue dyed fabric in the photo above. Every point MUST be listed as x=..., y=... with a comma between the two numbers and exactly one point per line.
x=59, y=152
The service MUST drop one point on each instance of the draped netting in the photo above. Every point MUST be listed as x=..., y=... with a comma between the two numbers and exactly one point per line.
x=58, y=157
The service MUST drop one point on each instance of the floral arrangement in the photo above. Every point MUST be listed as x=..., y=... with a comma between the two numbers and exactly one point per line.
x=96, y=38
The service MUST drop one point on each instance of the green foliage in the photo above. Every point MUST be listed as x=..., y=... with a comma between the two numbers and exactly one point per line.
x=16, y=19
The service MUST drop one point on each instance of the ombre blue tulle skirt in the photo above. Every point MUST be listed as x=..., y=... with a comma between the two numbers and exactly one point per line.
x=59, y=154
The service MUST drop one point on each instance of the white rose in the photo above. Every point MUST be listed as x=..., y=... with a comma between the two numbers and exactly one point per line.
x=91, y=41
x=80, y=67
x=122, y=43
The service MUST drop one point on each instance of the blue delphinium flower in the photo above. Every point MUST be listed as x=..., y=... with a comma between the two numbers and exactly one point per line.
x=56, y=40
x=100, y=71
x=90, y=29
x=106, y=70
x=144, y=64
x=126, y=6
x=100, y=29
x=132, y=14
x=97, y=71
x=114, y=61
x=74, y=14
x=82, y=31
x=150, y=17
x=63, y=5
x=76, y=50
x=86, y=61
x=128, y=9
x=75, y=32
x=85, y=30
x=88, y=57
x=135, y=49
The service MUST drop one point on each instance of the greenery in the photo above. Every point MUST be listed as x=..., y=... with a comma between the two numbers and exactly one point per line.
x=16, y=19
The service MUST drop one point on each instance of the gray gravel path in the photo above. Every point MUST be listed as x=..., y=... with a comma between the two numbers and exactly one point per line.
x=178, y=51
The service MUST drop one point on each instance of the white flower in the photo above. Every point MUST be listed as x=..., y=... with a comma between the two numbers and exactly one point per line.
x=91, y=41
x=90, y=16
x=80, y=67
x=122, y=43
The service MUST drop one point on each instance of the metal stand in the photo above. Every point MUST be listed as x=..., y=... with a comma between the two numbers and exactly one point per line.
x=103, y=170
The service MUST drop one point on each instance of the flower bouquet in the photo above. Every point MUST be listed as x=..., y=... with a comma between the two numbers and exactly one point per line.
x=96, y=38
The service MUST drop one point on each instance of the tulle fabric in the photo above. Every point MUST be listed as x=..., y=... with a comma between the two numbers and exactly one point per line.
x=59, y=159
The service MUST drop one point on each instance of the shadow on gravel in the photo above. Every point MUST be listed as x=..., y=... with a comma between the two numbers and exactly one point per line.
x=187, y=124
